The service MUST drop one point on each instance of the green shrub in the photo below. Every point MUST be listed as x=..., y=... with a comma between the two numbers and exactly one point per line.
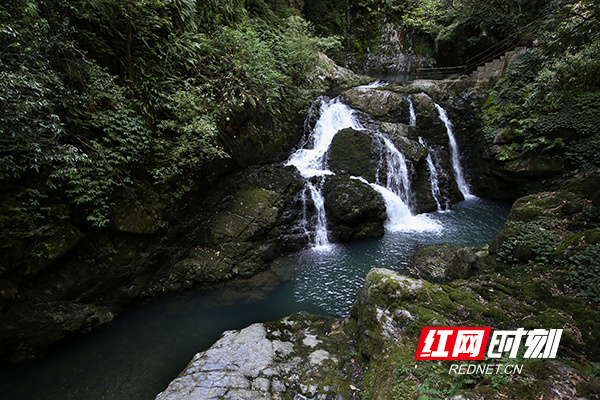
x=586, y=271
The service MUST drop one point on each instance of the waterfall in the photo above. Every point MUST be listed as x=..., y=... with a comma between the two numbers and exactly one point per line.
x=321, y=240
x=392, y=175
x=375, y=84
x=393, y=164
x=310, y=162
x=399, y=216
x=433, y=175
x=411, y=109
x=334, y=117
x=458, y=174
x=396, y=190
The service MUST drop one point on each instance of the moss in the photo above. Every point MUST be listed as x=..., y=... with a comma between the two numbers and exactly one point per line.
x=584, y=184
x=350, y=152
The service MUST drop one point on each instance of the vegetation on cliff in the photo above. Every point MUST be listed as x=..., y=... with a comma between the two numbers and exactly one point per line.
x=549, y=100
x=102, y=99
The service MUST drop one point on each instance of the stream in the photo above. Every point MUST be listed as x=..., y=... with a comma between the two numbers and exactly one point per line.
x=147, y=346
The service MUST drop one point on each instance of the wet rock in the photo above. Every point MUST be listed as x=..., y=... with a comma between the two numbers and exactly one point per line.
x=35, y=254
x=140, y=216
x=274, y=360
x=354, y=209
x=384, y=105
x=444, y=263
x=400, y=130
x=377, y=319
x=351, y=153
x=246, y=232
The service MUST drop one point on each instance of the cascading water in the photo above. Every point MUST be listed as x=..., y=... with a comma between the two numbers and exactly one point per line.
x=458, y=174
x=396, y=190
x=321, y=240
x=412, y=115
x=433, y=174
x=392, y=176
x=334, y=117
x=392, y=164
x=310, y=162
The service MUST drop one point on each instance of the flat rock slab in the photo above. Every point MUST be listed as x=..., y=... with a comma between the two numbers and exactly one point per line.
x=301, y=356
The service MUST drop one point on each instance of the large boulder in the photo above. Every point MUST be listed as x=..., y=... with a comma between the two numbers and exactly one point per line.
x=445, y=263
x=256, y=223
x=354, y=209
x=351, y=153
x=381, y=104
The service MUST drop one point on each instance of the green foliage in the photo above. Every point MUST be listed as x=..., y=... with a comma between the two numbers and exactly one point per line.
x=532, y=242
x=328, y=17
x=99, y=93
x=29, y=125
x=551, y=95
x=92, y=178
x=584, y=153
x=586, y=271
x=427, y=15
x=581, y=114
x=466, y=20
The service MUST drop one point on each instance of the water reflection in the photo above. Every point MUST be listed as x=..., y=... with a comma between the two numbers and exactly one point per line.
x=146, y=347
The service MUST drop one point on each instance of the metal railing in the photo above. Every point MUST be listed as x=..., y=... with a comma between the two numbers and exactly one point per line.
x=509, y=43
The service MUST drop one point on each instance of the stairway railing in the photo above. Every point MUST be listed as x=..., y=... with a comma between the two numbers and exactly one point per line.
x=489, y=54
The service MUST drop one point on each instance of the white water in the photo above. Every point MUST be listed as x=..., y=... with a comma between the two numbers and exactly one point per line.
x=458, y=174
x=310, y=162
x=334, y=117
x=393, y=163
x=411, y=109
x=399, y=216
x=375, y=84
x=321, y=241
x=433, y=175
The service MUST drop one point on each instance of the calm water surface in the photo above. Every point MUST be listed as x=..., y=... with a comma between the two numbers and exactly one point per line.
x=145, y=348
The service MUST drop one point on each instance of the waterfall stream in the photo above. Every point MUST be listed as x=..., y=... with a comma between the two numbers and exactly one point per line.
x=392, y=179
x=310, y=160
x=433, y=174
x=458, y=172
x=411, y=110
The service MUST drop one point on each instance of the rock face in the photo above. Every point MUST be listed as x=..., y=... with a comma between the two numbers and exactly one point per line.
x=445, y=263
x=351, y=153
x=388, y=110
x=232, y=230
x=301, y=356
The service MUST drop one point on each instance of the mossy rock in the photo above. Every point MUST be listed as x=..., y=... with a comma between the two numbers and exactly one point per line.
x=585, y=184
x=250, y=213
x=354, y=209
x=444, y=263
x=534, y=165
x=411, y=149
x=382, y=104
x=351, y=153
x=135, y=217
x=50, y=246
x=508, y=135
